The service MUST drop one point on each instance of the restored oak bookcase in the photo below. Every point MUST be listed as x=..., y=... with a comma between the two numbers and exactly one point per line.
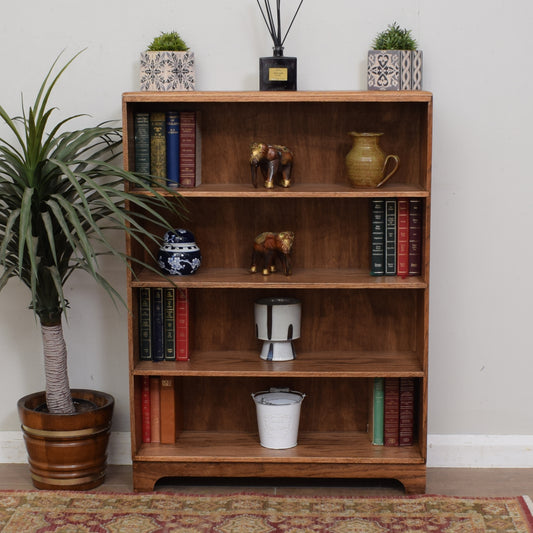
x=354, y=326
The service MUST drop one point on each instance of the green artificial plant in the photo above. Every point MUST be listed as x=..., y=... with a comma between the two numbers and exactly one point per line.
x=168, y=41
x=394, y=38
x=60, y=194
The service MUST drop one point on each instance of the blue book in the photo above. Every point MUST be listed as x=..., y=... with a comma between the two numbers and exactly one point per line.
x=173, y=148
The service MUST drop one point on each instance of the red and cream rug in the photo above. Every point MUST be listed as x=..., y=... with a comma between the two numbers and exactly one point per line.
x=70, y=512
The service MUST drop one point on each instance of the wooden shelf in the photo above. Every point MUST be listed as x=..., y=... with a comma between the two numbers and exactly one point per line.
x=297, y=190
x=317, y=278
x=325, y=365
x=349, y=447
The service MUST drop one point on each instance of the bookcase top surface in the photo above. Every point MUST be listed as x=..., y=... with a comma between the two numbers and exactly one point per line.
x=279, y=96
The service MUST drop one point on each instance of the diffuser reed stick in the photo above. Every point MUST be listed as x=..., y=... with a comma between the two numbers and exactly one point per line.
x=274, y=25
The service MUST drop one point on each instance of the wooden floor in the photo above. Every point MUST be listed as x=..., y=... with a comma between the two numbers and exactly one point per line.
x=445, y=481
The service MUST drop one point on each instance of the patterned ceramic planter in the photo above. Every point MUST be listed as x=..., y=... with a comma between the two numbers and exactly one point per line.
x=394, y=70
x=167, y=71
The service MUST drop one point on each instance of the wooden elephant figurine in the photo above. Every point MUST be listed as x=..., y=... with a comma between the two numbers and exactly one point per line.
x=275, y=162
x=270, y=246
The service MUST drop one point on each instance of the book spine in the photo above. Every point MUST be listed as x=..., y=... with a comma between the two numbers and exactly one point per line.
x=155, y=409
x=407, y=415
x=390, y=237
x=169, y=304
x=415, y=237
x=182, y=325
x=168, y=410
x=145, y=410
x=173, y=148
x=187, y=149
x=158, y=351
x=145, y=324
x=142, y=142
x=391, y=416
x=377, y=260
x=403, y=238
x=158, y=143
x=378, y=411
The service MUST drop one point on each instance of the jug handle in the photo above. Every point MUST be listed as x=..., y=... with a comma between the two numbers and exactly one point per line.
x=385, y=179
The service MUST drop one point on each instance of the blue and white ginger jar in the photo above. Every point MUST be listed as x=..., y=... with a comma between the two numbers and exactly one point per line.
x=179, y=255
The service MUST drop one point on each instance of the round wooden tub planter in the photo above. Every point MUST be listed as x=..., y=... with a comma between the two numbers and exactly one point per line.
x=67, y=452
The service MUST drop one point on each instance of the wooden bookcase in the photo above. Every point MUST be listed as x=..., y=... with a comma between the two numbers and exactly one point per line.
x=354, y=326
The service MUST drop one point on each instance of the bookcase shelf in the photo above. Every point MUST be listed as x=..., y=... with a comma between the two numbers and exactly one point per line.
x=355, y=327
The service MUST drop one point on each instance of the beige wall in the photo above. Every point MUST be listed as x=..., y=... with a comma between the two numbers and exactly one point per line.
x=476, y=64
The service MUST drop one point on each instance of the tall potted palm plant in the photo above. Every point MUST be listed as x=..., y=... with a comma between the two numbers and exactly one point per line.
x=60, y=194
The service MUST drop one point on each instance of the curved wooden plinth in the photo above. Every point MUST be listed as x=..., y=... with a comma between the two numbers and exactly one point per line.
x=147, y=473
x=67, y=452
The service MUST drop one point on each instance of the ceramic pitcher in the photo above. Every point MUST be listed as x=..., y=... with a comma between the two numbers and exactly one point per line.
x=366, y=162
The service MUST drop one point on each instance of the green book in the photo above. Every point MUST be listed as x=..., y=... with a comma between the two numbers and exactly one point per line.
x=378, y=411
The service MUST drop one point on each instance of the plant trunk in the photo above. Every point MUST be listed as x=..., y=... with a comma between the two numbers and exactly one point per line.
x=58, y=397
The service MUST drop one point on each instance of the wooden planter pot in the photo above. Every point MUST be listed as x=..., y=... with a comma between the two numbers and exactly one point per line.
x=67, y=452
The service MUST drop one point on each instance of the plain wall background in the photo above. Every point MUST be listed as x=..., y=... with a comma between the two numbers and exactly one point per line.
x=475, y=62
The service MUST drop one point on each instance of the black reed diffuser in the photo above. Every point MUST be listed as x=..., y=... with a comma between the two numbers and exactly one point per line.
x=277, y=73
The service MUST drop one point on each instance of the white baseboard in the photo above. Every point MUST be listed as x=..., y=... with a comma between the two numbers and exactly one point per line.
x=480, y=451
x=452, y=451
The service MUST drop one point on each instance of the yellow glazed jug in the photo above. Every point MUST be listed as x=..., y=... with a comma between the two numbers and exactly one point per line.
x=366, y=161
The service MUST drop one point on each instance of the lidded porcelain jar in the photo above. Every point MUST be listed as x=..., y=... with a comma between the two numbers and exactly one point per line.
x=179, y=255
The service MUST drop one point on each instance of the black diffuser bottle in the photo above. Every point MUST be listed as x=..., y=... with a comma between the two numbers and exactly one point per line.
x=277, y=73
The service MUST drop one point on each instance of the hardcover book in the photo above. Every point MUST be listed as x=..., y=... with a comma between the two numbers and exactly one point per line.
x=190, y=149
x=173, y=148
x=390, y=236
x=145, y=324
x=377, y=411
x=142, y=142
x=158, y=150
x=407, y=415
x=168, y=410
x=182, y=325
x=158, y=336
x=391, y=422
x=145, y=410
x=169, y=305
x=377, y=261
x=155, y=409
x=402, y=265
x=415, y=237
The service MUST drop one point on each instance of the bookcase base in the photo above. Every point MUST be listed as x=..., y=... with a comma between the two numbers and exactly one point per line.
x=147, y=473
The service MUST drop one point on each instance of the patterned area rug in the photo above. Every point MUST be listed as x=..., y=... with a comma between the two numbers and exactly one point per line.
x=69, y=512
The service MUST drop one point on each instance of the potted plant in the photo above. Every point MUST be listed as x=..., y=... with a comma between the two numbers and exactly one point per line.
x=167, y=64
x=394, y=63
x=60, y=192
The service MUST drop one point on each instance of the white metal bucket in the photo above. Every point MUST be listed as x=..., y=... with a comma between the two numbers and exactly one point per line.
x=278, y=417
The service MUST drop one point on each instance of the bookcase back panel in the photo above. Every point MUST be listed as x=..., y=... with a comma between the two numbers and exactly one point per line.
x=331, y=320
x=329, y=405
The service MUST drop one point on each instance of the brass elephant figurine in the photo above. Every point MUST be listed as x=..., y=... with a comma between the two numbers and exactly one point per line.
x=270, y=246
x=275, y=162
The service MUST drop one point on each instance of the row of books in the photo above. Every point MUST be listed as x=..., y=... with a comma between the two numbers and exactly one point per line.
x=392, y=411
x=396, y=237
x=158, y=397
x=163, y=324
x=168, y=146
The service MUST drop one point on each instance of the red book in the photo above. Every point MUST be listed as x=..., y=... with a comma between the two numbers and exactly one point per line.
x=168, y=410
x=190, y=153
x=407, y=408
x=182, y=325
x=155, y=409
x=402, y=268
x=145, y=409
x=391, y=418
x=415, y=237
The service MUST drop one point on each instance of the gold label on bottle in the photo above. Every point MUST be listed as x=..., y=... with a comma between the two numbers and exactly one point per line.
x=277, y=74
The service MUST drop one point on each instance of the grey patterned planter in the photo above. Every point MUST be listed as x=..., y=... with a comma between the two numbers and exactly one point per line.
x=394, y=70
x=167, y=71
